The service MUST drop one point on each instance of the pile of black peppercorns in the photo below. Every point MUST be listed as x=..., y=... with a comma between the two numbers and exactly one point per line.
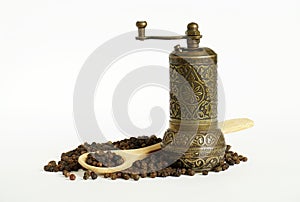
x=156, y=165
x=104, y=159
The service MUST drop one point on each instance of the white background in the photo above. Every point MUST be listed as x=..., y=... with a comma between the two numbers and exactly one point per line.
x=43, y=45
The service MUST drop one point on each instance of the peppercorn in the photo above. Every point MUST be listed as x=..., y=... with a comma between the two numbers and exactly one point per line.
x=126, y=176
x=231, y=162
x=218, y=169
x=52, y=163
x=225, y=167
x=190, y=172
x=46, y=168
x=153, y=174
x=113, y=176
x=86, y=175
x=143, y=175
x=106, y=175
x=66, y=173
x=205, y=172
x=94, y=175
x=135, y=177
x=119, y=174
x=72, y=177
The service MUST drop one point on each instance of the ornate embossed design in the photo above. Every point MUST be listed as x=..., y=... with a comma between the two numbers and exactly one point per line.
x=201, y=164
x=209, y=139
x=180, y=139
x=200, y=151
x=193, y=100
x=168, y=137
x=199, y=140
x=193, y=90
x=189, y=163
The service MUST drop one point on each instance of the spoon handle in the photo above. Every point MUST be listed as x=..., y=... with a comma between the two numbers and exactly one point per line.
x=148, y=149
x=235, y=125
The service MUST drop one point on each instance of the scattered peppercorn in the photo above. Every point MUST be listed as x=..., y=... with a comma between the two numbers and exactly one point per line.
x=135, y=177
x=126, y=176
x=94, y=175
x=205, y=172
x=153, y=174
x=218, y=169
x=86, y=175
x=106, y=175
x=190, y=172
x=66, y=173
x=72, y=177
x=113, y=176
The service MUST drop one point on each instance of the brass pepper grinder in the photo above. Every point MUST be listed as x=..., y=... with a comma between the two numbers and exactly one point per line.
x=193, y=134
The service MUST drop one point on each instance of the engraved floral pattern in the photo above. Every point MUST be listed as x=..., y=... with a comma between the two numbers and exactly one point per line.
x=198, y=100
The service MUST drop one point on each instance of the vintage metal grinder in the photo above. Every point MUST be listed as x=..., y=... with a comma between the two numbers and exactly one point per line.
x=193, y=135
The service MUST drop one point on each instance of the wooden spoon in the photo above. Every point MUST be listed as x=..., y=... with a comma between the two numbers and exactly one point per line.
x=132, y=155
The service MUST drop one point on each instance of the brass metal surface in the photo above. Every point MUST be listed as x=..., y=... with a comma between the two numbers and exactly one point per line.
x=204, y=147
x=141, y=24
x=193, y=133
x=199, y=69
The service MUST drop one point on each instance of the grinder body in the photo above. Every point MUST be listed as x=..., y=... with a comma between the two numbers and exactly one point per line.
x=193, y=134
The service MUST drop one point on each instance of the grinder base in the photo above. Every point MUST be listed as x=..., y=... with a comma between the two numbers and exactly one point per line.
x=201, y=151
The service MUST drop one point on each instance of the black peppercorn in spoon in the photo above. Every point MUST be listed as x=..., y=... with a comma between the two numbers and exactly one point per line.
x=132, y=155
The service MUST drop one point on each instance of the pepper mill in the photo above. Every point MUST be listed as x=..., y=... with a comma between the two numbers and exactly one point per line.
x=193, y=135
